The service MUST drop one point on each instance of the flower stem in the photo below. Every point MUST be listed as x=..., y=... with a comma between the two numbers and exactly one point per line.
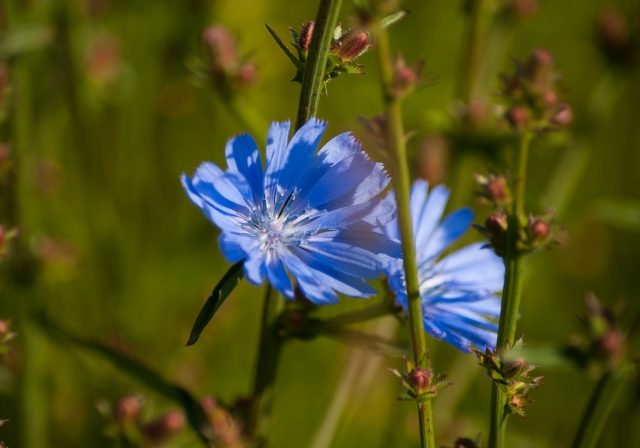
x=512, y=289
x=598, y=409
x=397, y=149
x=270, y=345
x=269, y=350
x=313, y=77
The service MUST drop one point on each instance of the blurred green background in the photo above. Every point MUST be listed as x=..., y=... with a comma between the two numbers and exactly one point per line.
x=102, y=114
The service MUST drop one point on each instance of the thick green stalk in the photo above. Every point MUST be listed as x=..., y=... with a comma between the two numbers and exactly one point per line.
x=314, y=72
x=512, y=289
x=398, y=152
x=598, y=409
x=270, y=345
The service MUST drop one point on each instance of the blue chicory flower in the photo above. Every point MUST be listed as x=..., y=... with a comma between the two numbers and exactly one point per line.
x=315, y=217
x=458, y=291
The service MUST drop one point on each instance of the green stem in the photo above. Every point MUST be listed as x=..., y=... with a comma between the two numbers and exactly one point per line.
x=598, y=409
x=397, y=149
x=473, y=46
x=269, y=350
x=270, y=345
x=246, y=116
x=313, y=78
x=512, y=289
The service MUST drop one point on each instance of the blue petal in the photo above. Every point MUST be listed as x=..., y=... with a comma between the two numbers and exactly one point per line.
x=429, y=217
x=234, y=246
x=243, y=157
x=312, y=288
x=334, y=277
x=278, y=276
x=418, y=199
x=254, y=267
x=452, y=228
x=277, y=139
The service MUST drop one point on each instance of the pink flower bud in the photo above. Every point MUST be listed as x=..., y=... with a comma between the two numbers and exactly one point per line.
x=351, y=44
x=539, y=229
x=496, y=223
x=158, y=431
x=420, y=379
x=518, y=116
x=304, y=38
x=128, y=408
x=221, y=49
x=564, y=116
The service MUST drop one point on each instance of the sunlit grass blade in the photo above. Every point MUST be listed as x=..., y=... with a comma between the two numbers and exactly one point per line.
x=197, y=417
x=215, y=300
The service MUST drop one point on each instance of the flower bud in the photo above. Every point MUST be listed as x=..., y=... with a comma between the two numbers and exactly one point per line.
x=518, y=116
x=539, y=65
x=128, y=409
x=611, y=345
x=247, y=74
x=614, y=35
x=5, y=328
x=304, y=38
x=496, y=223
x=539, y=229
x=495, y=189
x=351, y=45
x=221, y=49
x=158, y=431
x=405, y=78
x=564, y=116
x=549, y=98
x=516, y=367
x=420, y=379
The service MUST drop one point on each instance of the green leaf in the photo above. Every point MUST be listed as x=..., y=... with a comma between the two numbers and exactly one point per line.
x=284, y=48
x=393, y=18
x=217, y=297
x=197, y=417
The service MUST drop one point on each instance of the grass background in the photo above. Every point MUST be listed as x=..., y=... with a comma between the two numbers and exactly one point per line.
x=122, y=256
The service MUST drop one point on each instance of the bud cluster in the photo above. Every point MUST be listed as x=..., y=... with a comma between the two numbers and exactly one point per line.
x=346, y=48
x=224, y=65
x=512, y=376
x=532, y=95
x=420, y=384
x=535, y=233
x=601, y=344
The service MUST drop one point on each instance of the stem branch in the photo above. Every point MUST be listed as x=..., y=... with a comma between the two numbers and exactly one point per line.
x=512, y=289
x=397, y=149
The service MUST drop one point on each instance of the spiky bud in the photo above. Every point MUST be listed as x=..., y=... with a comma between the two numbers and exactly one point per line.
x=350, y=45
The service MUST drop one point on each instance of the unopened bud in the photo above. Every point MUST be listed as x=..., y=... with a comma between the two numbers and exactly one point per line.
x=128, y=408
x=549, y=98
x=612, y=344
x=247, y=74
x=158, y=431
x=4, y=328
x=497, y=190
x=496, y=223
x=221, y=49
x=518, y=116
x=420, y=379
x=304, y=38
x=351, y=44
x=539, y=229
x=515, y=367
x=564, y=116
x=614, y=36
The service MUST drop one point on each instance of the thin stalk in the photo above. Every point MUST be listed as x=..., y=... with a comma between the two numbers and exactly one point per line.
x=598, y=409
x=512, y=289
x=270, y=345
x=473, y=45
x=398, y=152
x=269, y=351
x=313, y=77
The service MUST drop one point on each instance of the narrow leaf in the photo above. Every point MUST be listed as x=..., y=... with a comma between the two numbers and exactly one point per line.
x=197, y=417
x=393, y=18
x=217, y=297
x=284, y=48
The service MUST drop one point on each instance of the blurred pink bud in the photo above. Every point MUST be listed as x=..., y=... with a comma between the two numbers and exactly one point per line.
x=247, y=74
x=158, y=431
x=405, y=78
x=4, y=325
x=564, y=116
x=221, y=49
x=539, y=229
x=549, y=98
x=518, y=116
x=128, y=408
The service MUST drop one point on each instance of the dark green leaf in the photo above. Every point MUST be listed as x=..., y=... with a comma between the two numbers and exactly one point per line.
x=217, y=297
x=284, y=48
x=196, y=416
